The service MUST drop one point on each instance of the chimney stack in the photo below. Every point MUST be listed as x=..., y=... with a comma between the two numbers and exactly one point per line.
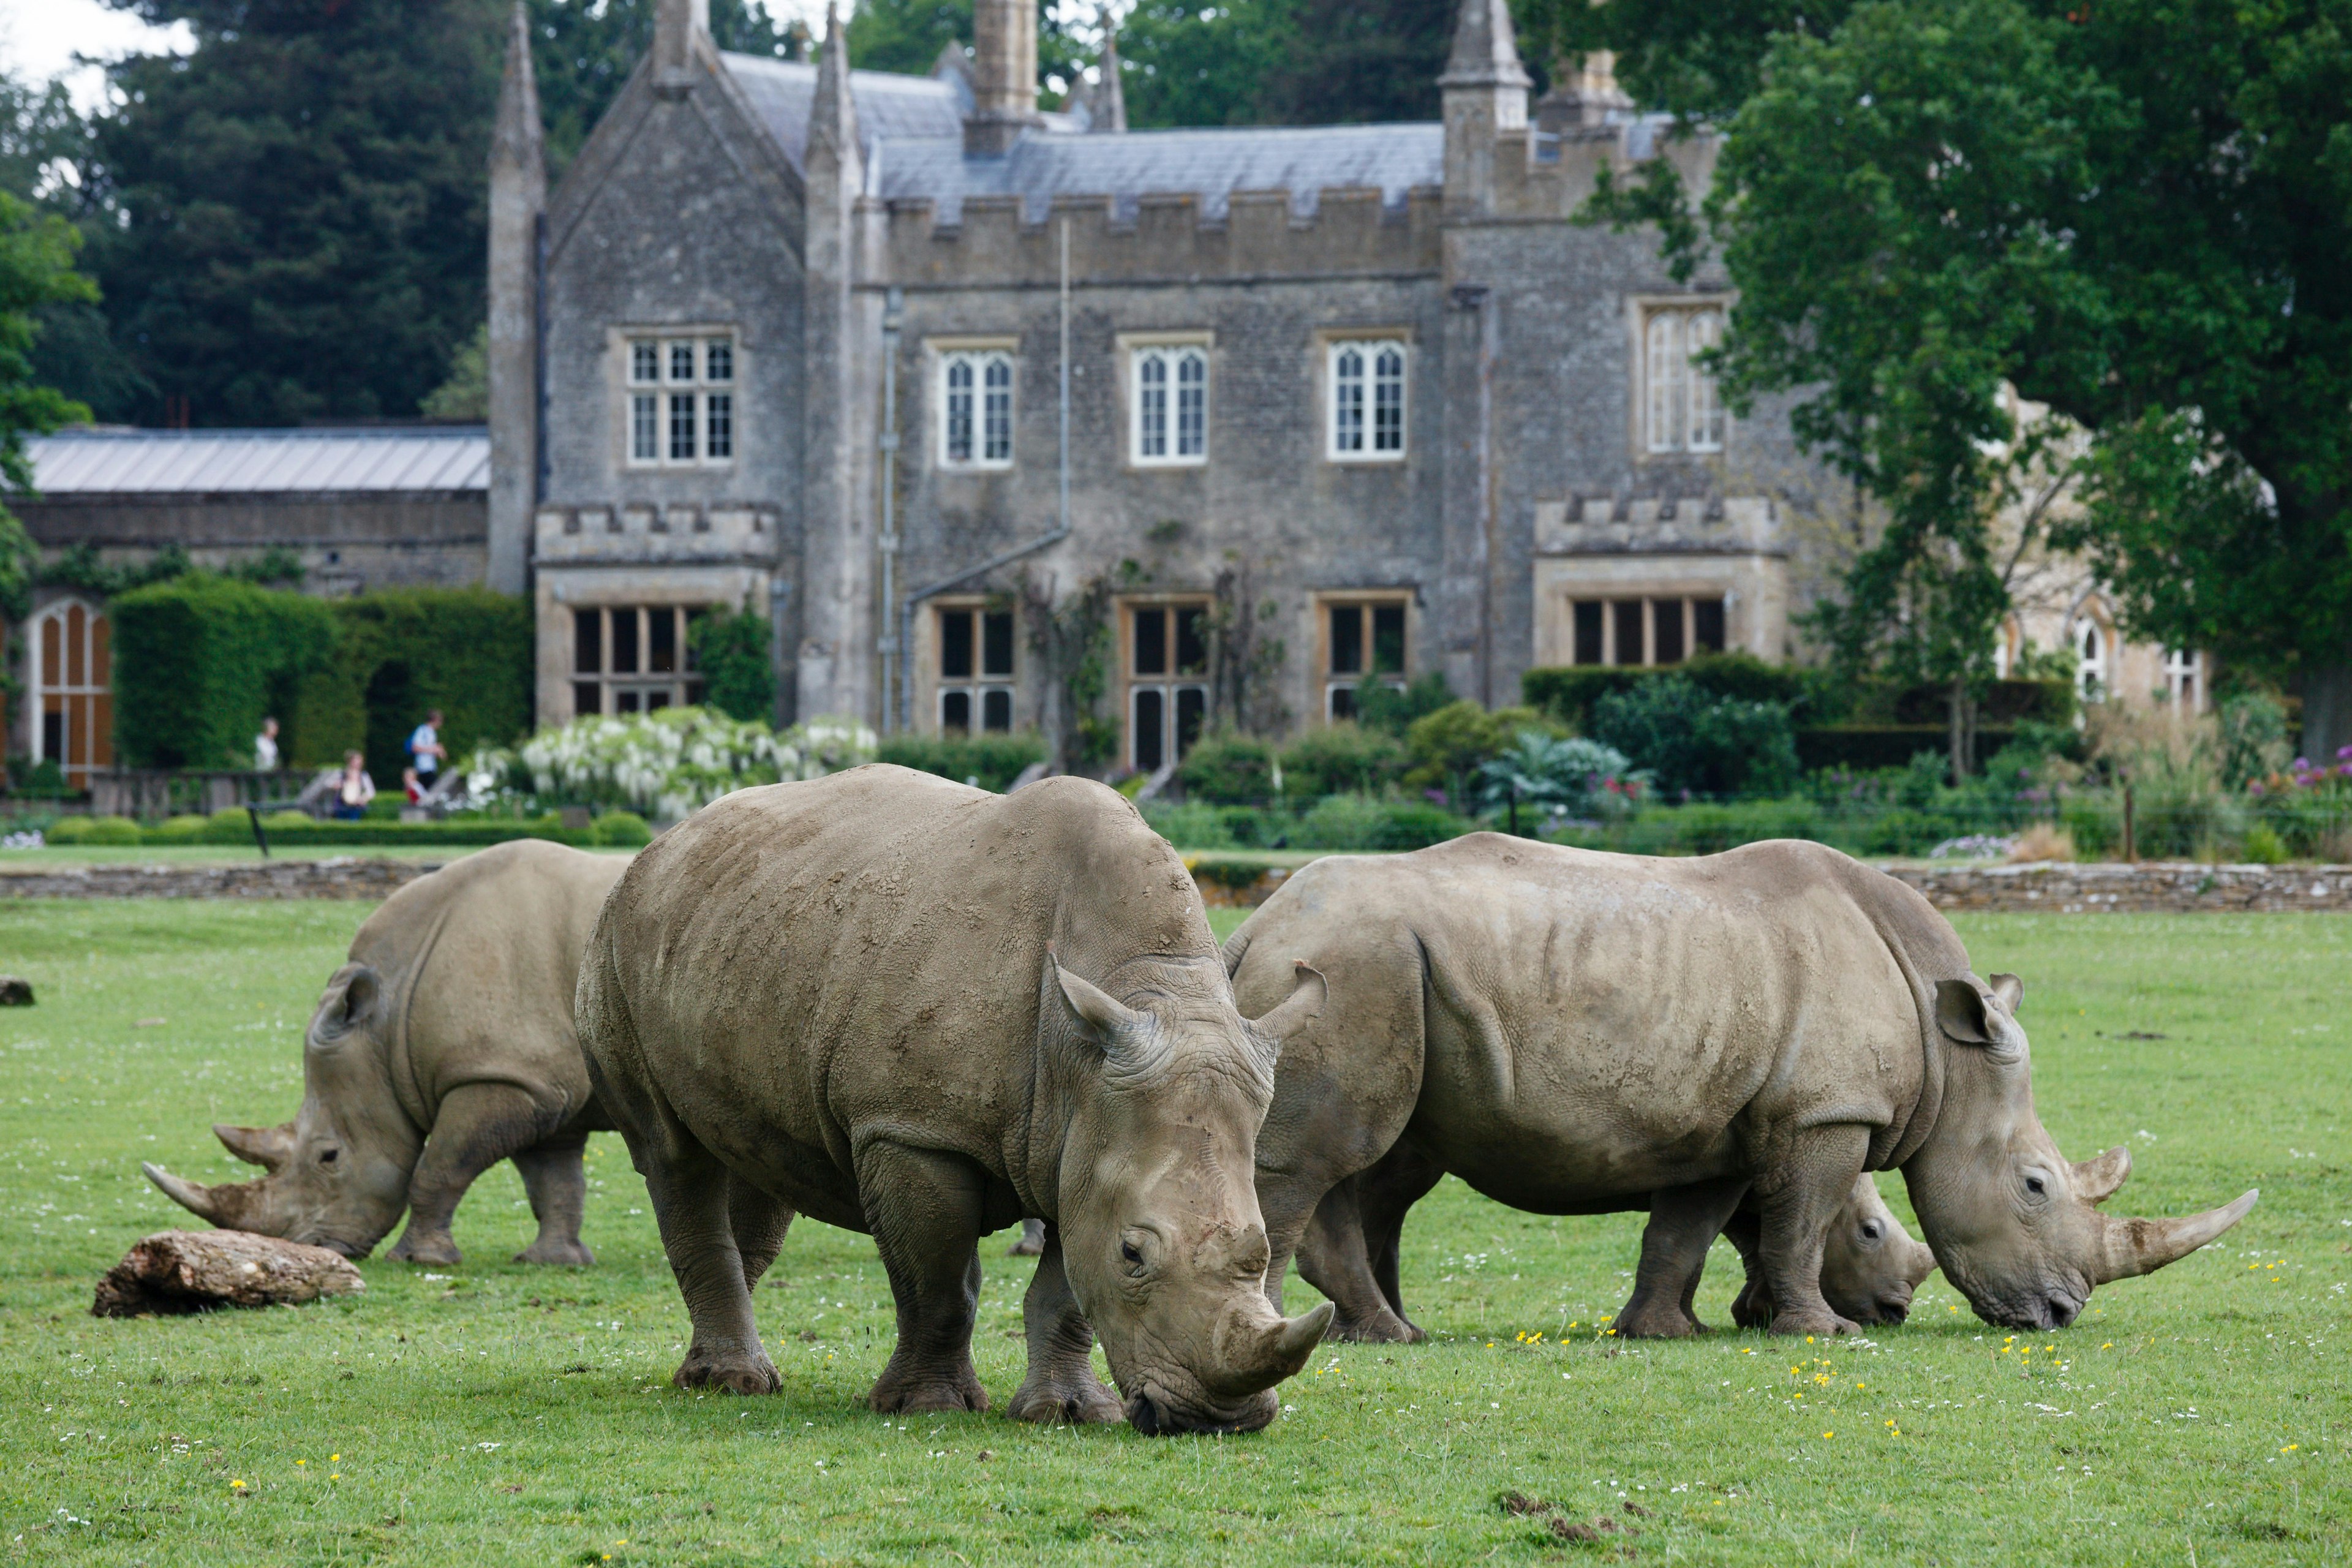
x=676, y=24
x=1004, y=76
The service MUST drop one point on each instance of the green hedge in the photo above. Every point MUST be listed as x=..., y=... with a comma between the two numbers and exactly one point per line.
x=200, y=660
x=991, y=762
x=294, y=830
x=1568, y=693
x=399, y=653
x=1868, y=747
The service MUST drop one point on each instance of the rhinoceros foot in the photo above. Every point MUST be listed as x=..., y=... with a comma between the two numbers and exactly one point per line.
x=1655, y=1318
x=1381, y=1328
x=426, y=1248
x=732, y=1370
x=1819, y=1322
x=922, y=1390
x=1752, y=1308
x=1065, y=1399
x=574, y=1254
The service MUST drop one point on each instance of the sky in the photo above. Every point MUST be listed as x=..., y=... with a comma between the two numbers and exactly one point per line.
x=38, y=40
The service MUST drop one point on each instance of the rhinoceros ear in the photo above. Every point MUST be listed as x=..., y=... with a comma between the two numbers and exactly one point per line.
x=2011, y=990
x=1104, y=1017
x=1960, y=1012
x=351, y=1000
x=1302, y=1007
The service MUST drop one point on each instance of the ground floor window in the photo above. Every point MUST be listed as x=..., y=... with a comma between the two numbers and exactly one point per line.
x=976, y=671
x=1361, y=639
x=72, y=669
x=2184, y=679
x=632, y=658
x=1647, y=630
x=1167, y=681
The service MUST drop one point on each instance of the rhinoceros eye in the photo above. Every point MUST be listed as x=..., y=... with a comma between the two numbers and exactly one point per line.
x=327, y=1156
x=2033, y=1184
x=1870, y=1231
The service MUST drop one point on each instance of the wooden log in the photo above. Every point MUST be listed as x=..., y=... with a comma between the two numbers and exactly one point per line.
x=197, y=1270
x=16, y=991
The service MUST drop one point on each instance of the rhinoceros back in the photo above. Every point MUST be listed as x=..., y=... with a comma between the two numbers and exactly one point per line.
x=799, y=961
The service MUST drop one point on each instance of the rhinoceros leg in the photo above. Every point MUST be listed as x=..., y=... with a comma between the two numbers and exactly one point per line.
x=760, y=1222
x=1798, y=1198
x=558, y=1187
x=1334, y=1257
x=1683, y=1222
x=1061, y=1385
x=925, y=1210
x=478, y=1125
x=688, y=1187
x=1384, y=1195
x=1752, y=1308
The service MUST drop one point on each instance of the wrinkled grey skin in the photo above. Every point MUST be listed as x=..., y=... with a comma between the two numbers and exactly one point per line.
x=1573, y=1032
x=923, y=1010
x=443, y=1046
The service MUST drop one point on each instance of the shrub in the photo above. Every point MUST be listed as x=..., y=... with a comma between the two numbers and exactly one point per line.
x=113, y=830
x=991, y=762
x=730, y=650
x=1340, y=822
x=2263, y=846
x=1448, y=747
x=179, y=830
x=1568, y=695
x=1392, y=709
x=1189, y=825
x=1708, y=827
x=620, y=830
x=403, y=652
x=200, y=660
x=1415, y=824
x=1699, y=744
x=1229, y=767
x=2042, y=841
x=2253, y=738
x=1332, y=759
x=668, y=763
x=1538, y=771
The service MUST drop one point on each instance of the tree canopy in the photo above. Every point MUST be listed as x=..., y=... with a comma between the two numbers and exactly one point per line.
x=2138, y=213
x=37, y=257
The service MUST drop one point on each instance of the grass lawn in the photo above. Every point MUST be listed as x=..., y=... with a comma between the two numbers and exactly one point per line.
x=499, y=1414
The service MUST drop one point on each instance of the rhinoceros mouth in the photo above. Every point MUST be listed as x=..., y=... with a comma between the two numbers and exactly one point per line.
x=1154, y=1414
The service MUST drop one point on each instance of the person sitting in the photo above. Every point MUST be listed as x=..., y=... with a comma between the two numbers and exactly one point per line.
x=355, y=790
x=410, y=786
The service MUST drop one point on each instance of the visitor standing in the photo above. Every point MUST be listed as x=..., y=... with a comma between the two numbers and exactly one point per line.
x=264, y=748
x=426, y=752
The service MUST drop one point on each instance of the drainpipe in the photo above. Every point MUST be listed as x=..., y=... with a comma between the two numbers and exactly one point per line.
x=890, y=644
x=1062, y=520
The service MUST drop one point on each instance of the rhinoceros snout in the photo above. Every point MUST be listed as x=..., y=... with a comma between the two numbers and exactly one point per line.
x=1161, y=1417
x=1893, y=1309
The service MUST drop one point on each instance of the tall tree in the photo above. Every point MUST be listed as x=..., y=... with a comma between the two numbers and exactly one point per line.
x=1283, y=62
x=2138, y=212
x=37, y=272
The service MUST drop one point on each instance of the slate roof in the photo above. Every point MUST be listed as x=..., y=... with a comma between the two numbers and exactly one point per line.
x=438, y=458
x=1208, y=164
x=912, y=127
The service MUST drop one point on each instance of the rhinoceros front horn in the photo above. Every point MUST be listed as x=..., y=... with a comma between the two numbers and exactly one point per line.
x=196, y=1198
x=1283, y=1351
x=2136, y=1247
x=267, y=1147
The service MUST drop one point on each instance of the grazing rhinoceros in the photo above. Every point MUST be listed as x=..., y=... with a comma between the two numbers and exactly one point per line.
x=911, y=1009
x=443, y=1046
x=1572, y=1032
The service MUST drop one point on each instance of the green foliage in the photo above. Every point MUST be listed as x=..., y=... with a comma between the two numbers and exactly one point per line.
x=80, y=566
x=1329, y=759
x=37, y=271
x=404, y=651
x=109, y=830
x=2253, y=737
x=1699, y=744
x=1352, y=821
x=990, y=761
x=200, y=660
x=620, y=830
x=1395, y=710
x=466, y=394
x=1567, y=693
x=1189, y=824
x=1229, y=767
x=730, y=650
x=1537, y=771
x=1283, y=62
x=583, y=50
x=1449, y=746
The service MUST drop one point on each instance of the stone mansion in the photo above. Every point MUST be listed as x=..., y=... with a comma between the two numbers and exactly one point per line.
x=898, y=359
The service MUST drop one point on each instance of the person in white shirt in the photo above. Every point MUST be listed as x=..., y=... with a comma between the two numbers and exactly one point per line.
x=264, y=748
x=425, y=751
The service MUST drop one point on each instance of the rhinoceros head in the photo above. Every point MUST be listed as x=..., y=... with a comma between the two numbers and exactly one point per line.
x=337, y=1176
x=1160, y=1227
x=2012, y=1222
x=1870, y=1265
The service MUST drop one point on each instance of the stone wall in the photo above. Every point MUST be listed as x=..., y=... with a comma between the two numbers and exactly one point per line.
x=338, y=877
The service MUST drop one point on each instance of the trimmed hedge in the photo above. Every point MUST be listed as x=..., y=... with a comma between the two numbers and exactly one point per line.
x=200, y=660
x=992, y=762
x=291, y=829
x=1867, y=747
x=1568, y=693
x=400, y=653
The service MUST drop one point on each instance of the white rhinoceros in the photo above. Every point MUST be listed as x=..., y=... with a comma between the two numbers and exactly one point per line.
x=1572, y=1032
x=443, y=1046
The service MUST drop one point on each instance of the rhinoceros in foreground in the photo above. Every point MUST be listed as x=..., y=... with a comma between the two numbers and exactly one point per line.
x=443, y=1046
x=911, y=1009
x=1573, y=1032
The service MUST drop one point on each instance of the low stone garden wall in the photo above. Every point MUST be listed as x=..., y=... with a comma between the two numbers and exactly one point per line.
x=2049, y=887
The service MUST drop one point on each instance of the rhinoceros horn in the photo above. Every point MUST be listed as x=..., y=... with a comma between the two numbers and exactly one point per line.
x=231, y=1206
x=267, y=1147
x=2095, y=1179
x=2144, y=1246
x=1267, y=1355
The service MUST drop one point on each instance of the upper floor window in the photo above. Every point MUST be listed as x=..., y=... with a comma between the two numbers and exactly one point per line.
x=681, y=400
x=1170, y=397
x=976, y=409
x=1681, y=412
x=2093, y=643
x=975, y=668
x=1362, y=641
x=1367, y=401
